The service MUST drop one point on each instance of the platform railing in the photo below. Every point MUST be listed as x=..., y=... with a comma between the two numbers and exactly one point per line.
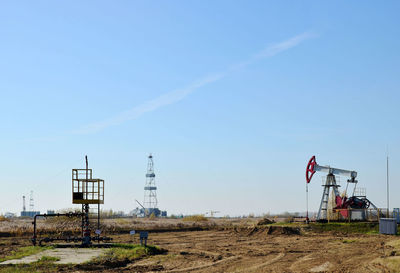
x=358, y=215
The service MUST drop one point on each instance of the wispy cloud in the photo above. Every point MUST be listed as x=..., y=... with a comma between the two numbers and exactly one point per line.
x=179, y=94
x=149, y=106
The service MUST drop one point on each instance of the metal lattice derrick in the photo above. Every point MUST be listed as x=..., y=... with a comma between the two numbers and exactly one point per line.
x=150, y=189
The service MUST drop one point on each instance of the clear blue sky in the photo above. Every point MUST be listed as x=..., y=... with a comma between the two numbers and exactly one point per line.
x=231, y=97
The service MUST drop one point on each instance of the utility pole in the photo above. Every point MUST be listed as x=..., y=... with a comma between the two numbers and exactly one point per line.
x=387, y=182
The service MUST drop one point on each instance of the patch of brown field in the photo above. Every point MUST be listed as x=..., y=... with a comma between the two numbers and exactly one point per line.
x=239, y=245
x=254, y=250
x=247, y=248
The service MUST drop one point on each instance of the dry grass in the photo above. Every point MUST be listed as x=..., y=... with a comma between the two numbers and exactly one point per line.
x=395, y=244
x=62, y=226
x=392, y=263
x=391, y=258
x=195, y=218
x=122, y=221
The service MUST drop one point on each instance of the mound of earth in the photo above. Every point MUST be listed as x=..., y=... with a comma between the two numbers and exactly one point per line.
x=276, y=230
x=265, y=221
x=269, y=230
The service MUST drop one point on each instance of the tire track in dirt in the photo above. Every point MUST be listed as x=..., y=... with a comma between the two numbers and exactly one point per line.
x=294, y=266
x=193, y=268
x=259, y=266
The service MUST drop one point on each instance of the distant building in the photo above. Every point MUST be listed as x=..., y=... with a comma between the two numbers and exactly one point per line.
x=29, y=213
x=9, y=215
x=141, y=212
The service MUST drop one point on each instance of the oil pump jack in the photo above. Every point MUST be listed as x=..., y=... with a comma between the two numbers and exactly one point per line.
x=342, y=202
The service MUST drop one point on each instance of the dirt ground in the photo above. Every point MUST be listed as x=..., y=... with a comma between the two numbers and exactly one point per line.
x=232, y=251
x=263, y=249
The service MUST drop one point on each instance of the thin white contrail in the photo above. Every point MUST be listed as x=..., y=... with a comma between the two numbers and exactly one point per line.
x=149, y=106
x=179, y=94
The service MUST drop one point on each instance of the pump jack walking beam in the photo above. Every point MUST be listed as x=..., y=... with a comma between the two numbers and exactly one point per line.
x=313, y=167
